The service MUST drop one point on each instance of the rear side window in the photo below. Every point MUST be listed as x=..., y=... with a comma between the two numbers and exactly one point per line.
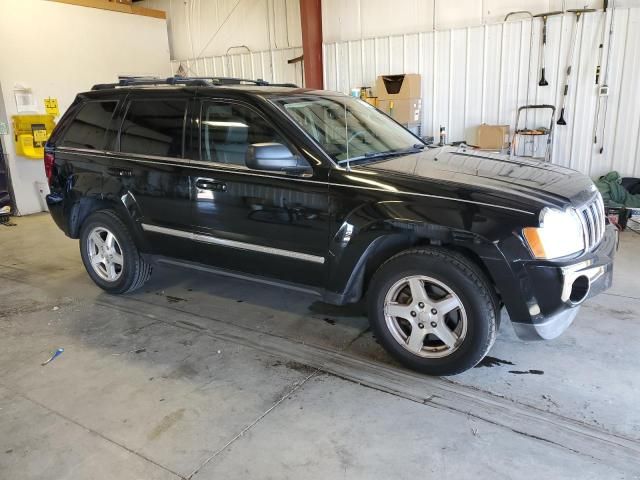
x=154, y=127
x=88, y=128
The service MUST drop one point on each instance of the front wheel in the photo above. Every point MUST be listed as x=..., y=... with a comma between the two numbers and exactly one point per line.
x=110, y=255
x=433, y=310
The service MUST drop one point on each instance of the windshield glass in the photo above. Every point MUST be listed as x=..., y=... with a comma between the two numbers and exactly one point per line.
x=349, y=129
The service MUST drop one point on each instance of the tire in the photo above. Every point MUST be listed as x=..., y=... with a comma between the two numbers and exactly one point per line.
x=449, y=281
x=130, y=271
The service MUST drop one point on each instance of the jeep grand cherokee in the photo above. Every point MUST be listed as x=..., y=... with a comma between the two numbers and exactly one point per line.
x=322, y=190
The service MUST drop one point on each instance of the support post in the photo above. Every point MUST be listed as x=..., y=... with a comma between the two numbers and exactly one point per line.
x=311, y=22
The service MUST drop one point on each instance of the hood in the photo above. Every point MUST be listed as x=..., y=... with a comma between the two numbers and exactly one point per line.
x=529, y=181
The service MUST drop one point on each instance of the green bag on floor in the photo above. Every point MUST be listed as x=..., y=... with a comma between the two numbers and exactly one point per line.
x=614, y=194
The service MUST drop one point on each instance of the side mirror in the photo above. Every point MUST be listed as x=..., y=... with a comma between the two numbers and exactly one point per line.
x=273, y=156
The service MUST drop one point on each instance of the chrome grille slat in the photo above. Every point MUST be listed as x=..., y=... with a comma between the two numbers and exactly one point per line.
x=598, y=216
x=593, y=223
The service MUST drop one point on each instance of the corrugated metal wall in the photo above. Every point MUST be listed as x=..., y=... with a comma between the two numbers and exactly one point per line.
x=270, y=65
x=479, y=75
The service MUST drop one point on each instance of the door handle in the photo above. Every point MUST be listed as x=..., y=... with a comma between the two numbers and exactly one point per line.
x=120, y=172
x=210, y=184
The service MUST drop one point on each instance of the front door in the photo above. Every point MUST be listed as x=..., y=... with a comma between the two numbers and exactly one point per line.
x=262, y=222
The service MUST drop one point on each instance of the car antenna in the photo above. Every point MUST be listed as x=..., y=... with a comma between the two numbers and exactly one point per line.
x=346, y=136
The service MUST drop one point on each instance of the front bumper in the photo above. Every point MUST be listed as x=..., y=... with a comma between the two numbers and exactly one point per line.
x=555, y=291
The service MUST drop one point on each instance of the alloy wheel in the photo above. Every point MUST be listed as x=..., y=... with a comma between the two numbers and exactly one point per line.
x=105, y=254
x=425, y=316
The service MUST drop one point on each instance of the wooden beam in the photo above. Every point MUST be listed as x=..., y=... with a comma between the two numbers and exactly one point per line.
x=117, y=7
x=311, y=22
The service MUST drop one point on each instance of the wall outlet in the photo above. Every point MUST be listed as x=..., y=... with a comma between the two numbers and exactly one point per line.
x=603, y=90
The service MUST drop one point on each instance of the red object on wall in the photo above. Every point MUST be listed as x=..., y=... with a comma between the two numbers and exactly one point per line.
x=311, y=21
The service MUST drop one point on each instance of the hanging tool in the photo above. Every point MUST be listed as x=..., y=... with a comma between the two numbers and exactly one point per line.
x=572, y=49
x=525, y=12
x=603, y=89
x=601, y=45
x=543, y=81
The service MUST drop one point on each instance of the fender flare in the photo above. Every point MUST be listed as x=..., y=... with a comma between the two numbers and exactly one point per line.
x=128, y=213
x=400, y=235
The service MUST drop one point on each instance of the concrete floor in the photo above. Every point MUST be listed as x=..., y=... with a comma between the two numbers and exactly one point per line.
x=201, y=376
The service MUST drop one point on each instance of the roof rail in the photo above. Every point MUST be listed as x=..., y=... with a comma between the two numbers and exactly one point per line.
x=238, y=81
x=186, y=81
x=148, y=81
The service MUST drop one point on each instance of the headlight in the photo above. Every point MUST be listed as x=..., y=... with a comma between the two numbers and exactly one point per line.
x=560, y=234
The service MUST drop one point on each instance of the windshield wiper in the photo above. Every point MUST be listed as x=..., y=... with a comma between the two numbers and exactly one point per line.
x=389, y=153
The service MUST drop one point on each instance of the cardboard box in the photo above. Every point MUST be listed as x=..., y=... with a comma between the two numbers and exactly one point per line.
x=371, y=101
x=408, y=110
x=492, y=137
x=398, y=87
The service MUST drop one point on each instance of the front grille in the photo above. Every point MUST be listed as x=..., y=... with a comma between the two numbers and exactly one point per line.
x=592, y=218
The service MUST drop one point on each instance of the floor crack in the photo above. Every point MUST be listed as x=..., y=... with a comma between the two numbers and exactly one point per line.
x=252, y=424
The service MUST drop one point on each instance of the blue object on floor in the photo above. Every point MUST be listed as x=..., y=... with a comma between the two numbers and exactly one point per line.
x=56, y=354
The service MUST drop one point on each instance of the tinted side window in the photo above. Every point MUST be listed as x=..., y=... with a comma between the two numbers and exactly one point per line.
x=228, y=130
x=154, y=127
x=88, y=128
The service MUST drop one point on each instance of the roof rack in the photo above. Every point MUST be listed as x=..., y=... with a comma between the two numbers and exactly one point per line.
x=238, y=81
x=149, y=81
x=186, y=81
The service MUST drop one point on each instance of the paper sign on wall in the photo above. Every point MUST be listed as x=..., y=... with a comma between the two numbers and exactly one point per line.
x=4, y=128
x=25, y=101
x=51, y=106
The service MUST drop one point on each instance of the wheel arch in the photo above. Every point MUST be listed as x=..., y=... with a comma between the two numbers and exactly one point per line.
x=80, y=211
x=398, y=236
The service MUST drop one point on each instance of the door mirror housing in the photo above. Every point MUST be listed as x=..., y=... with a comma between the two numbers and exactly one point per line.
x=274, y=156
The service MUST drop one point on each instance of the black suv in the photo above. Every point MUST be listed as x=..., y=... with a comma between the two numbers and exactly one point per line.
x=321, y=190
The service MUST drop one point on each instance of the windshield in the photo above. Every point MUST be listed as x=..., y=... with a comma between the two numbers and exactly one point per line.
x=349, y=129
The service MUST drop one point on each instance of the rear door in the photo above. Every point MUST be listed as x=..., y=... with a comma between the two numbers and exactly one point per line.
x=148, y=173
x=261, y=222
x=80, y=151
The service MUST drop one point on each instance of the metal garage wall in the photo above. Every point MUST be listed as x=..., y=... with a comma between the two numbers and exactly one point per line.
x=479, y=75
x=200, y=28
x=270, y=65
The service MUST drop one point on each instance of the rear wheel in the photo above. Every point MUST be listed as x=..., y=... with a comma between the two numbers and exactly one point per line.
x=110, y=255
x=433, y=310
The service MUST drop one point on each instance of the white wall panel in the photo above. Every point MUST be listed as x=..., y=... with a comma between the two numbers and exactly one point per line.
x=355, y=19
x=85, y=46
x=270, y=65
x=209, y=27
x=625, y=137
x=480, y=74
